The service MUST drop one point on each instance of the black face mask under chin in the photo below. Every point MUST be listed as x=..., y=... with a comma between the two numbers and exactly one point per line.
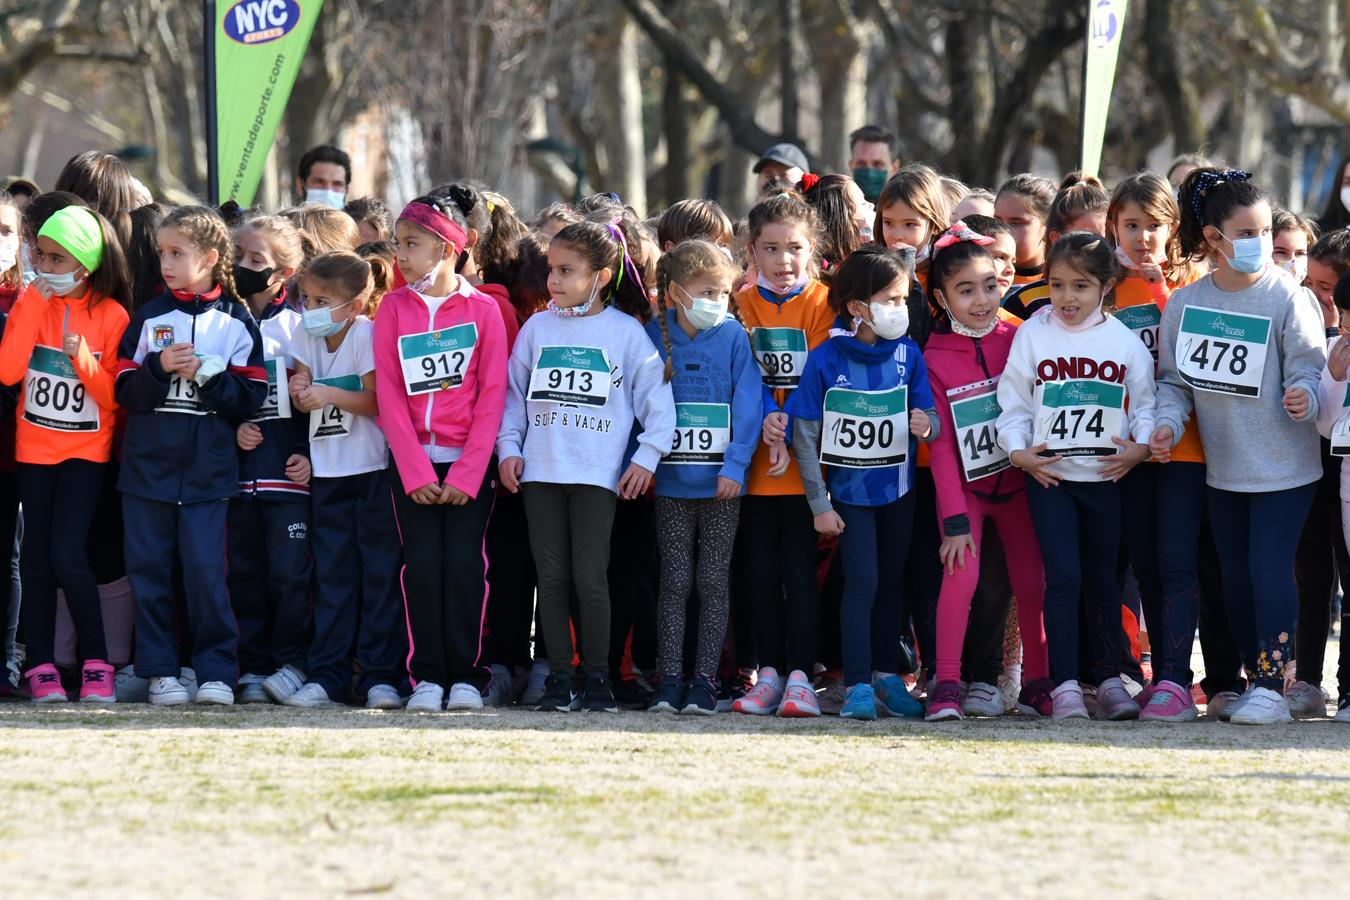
x=251, y=281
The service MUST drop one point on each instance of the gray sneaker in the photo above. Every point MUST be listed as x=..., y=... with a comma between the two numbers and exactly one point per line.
x=1223, y=704
x=1067, y=701
x=1306, y=701
x=534, y=684
x=1114, y=703
x=498, y=692
x=283, y=683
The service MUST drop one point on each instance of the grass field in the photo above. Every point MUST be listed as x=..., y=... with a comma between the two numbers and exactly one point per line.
x=248, y=801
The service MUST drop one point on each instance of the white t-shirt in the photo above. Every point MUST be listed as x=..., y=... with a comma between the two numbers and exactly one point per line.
x=341, y=443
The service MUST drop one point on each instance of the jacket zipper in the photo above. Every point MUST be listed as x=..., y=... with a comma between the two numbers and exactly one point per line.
x=984, y=365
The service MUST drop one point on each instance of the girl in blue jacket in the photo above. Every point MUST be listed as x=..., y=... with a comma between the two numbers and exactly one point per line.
x=719, y=408
x=863, y=401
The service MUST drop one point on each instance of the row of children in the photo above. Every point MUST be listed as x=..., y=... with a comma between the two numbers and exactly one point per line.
x=862, y=381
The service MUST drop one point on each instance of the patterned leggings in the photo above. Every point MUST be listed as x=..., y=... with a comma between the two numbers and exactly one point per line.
x=678, y=524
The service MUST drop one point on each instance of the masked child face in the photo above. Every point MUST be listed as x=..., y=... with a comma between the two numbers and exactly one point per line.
x=571, y=280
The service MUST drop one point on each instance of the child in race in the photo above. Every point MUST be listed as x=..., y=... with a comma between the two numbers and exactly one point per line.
x=719, y=410
x=578, y=378
x=60, y=344
x=911, y=210
x=965, y=359
x=269, y=522
x=1079, y=205
x=788, y=315
x=845, y=217
x=440, y=358
x=1065, y=422
x=1242, y=349
x=354, y=539
x=1023, y=204
x=1291, y=236
x=687, y=220
x=1163, y=505
x=863, y=393
x=1002, y=249
x=190, y=367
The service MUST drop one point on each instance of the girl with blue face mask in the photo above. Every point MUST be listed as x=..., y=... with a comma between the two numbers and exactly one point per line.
x=1241, y=351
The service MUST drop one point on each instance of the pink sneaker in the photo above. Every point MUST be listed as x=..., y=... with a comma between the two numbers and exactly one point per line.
x=1170, y=703
x=44, y=684
x=799, y=700
x=96, y=682
x=1035, y=700
x=945, y=702
x=764, y=697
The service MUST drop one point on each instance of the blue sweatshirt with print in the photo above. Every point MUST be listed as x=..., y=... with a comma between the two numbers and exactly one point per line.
x=713, y=367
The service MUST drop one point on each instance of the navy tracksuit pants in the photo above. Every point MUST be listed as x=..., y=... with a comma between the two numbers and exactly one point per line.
x=357, y=601
x=194, y=533
x=269, y=580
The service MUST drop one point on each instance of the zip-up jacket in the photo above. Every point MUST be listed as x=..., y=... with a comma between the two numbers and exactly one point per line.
x=66, y=407
x=262, y=470
x=180, y=436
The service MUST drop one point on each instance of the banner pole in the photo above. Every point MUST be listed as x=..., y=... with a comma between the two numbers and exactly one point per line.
x=209, y=66
x=1083, y=95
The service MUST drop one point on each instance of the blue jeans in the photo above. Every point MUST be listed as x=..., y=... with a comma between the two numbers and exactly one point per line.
x=873, y=550
x=1078, y=527
x=1257, y=535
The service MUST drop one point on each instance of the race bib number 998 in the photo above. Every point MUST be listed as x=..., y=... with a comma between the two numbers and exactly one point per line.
x=781, y=354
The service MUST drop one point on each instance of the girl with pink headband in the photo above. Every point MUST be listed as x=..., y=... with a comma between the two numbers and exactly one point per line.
x=440, y=364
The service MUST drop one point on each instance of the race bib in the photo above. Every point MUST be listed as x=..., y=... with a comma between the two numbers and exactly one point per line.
x=1079, y=418
x=184, y=397
x=330, y=422
x=781, y=353
x=578, y=375
x=1340, y=432
x=53, y=396
x=865, y=429
x=975, y=409
x=278, y=402
x=1144, y=320
x=436, y=360
x=702, y=434
x=1222, y=352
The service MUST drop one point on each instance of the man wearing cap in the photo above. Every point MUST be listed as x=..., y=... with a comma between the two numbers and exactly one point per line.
x=781, y=162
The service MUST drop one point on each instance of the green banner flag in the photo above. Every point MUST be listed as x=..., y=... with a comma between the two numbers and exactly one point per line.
x=257, y=47
x=1106, y=21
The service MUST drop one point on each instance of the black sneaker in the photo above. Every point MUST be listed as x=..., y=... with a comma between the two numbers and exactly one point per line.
x=669, y=695
x=598, y=695
x=632, y=694
x=701, y=699
x=560, y=694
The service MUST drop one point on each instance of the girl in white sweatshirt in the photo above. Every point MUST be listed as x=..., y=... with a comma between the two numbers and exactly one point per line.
x=1077, y=411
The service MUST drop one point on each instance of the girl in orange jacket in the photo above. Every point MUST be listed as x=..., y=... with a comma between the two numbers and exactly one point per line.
x=61, y=343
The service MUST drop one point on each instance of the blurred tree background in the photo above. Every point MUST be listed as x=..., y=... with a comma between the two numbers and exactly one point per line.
x=661, y=99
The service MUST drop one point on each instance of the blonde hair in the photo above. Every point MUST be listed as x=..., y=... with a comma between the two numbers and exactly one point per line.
x=206, y=230
x=380, y=255
x=346, y=271
x=920, y=188
x=690, y=259
x=328, y=229
x=284, y=241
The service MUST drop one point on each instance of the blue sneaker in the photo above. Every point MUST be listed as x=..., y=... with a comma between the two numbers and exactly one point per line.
x=861, y=703
x=669, y=696
x=893, y=698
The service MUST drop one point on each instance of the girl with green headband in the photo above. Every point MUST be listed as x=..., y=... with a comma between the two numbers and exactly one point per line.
x=60, y=344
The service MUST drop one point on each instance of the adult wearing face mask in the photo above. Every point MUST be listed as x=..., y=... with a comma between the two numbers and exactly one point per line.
x=323, y=176
x=872, y=160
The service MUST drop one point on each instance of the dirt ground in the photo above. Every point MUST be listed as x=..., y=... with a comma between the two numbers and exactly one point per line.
x=249, y=801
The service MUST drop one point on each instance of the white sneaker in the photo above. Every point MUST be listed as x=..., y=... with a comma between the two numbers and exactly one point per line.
x=1067, y=701
x=189, y=679
x=464, y=696
x=167, y=690
x=983, y=699
x=426, y=697
x=283, y=682
x=1010, y=684
x=1306, y=701
x=311, y=696
x=215, y=693
x=499, y=689
x=534, y=683
x=251, y=690
x=383, y=696
x=1262, y=707
x=1223, y=704
x=1343, y=712
x=130, y=687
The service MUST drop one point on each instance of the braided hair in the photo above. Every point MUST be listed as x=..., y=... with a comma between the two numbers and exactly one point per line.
x=687, y=261
x=206, y=231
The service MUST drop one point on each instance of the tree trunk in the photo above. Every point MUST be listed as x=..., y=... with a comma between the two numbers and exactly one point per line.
x=678, y=124
x=843, y=100
x=620, y=109
x=788, y=60
x=1176, y=92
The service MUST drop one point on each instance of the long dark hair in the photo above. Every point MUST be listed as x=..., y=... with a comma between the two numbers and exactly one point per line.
x=105, y=183
x=839, y=238
x=1336, y=215
x=602, y=248
x=869, y=270
x=1207, y=201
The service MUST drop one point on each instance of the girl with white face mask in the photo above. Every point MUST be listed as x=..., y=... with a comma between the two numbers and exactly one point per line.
x=862, y=405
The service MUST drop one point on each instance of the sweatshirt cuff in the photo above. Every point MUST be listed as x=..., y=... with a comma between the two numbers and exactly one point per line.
x=1013, y=441
x=1143, y=430
x=1166, y=422
x=647, y=456
x=156, y=367
x=955, y=526
x=819, y=505
x=507, y=449
x=934, y=426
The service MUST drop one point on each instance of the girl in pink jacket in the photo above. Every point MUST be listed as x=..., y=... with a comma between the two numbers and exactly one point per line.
x=965, y=357
x=440, y=362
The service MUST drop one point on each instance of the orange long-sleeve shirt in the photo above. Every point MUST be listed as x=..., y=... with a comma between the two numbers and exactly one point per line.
x=807, y=313
x=66, y=405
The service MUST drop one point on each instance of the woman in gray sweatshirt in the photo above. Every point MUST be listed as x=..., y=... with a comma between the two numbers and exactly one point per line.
x=1241, y=350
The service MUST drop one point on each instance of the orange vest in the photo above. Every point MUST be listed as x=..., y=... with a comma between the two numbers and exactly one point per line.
x=808, y=312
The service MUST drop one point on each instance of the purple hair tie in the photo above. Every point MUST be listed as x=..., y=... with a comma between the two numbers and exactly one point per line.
x=617, y=233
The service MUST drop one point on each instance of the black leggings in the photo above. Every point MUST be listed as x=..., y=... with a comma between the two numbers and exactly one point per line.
x=780, y=579
x=696, y=539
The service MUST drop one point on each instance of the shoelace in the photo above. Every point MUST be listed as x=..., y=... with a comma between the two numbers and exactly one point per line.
x=48, y=678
